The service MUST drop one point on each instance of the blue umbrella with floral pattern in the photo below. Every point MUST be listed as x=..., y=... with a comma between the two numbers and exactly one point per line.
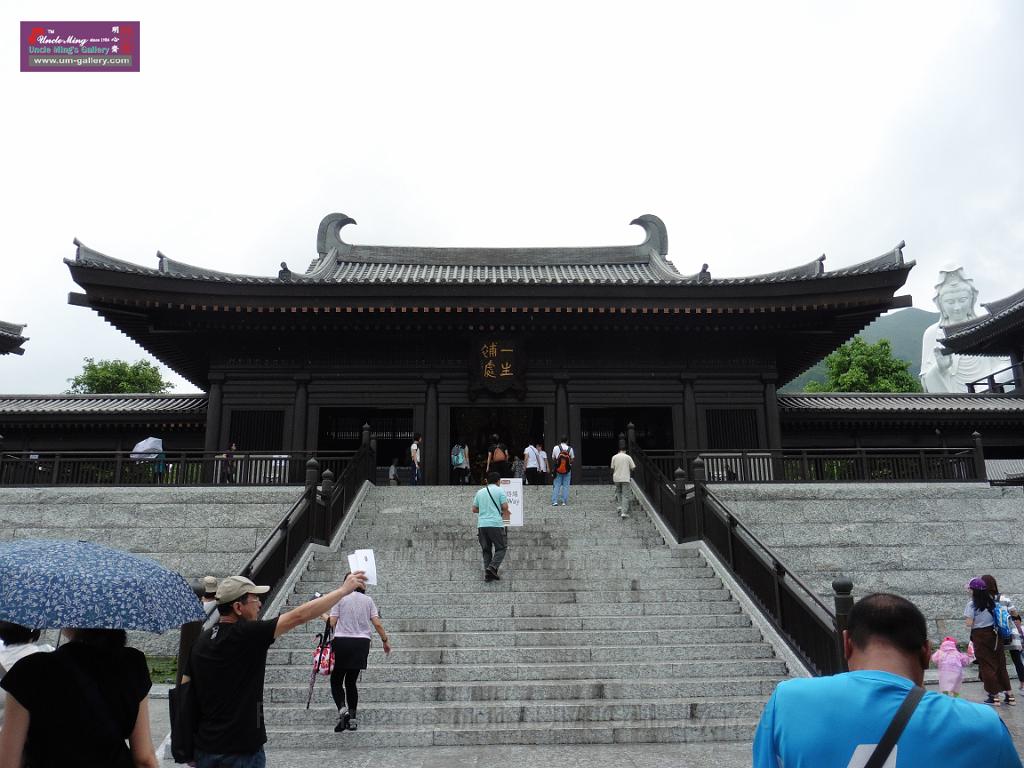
x=52, y=584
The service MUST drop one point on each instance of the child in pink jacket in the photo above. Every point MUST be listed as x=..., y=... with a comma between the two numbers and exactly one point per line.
x=951, y=663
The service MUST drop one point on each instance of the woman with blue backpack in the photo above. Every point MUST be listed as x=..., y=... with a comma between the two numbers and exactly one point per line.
x=984, y=618
x=460, y=463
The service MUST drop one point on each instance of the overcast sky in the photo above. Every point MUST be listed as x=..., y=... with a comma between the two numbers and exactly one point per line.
x=763, y=134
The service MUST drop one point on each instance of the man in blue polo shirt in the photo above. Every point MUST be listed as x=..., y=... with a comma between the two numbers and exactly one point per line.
x=837, y=721
x=490, y=505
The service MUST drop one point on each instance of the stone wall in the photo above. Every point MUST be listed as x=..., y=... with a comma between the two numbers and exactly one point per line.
x=921, y=540
x=195, y=531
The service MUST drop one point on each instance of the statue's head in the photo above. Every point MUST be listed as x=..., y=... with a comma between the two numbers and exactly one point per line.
x=955, y=296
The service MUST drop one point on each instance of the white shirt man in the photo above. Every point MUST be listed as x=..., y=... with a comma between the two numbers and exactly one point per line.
x=622, y=466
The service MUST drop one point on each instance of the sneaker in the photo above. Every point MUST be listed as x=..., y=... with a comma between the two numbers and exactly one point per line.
x=353, y=724
x=554, y=503
x=488, y=575
x=492, y=574
x=562, y=504
x=343, y=721
x=623, y=515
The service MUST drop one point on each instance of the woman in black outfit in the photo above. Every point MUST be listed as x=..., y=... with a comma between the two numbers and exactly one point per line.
x=497, y=458
x=77, y=705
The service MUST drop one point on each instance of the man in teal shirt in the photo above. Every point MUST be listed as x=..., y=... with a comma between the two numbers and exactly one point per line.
x=490, y=505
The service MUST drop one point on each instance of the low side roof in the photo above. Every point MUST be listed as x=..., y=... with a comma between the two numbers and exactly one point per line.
x=171, y=405
x=11, y=338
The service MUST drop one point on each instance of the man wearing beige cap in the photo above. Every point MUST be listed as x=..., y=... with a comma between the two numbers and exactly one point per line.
x=209, y=598
x=227, y=667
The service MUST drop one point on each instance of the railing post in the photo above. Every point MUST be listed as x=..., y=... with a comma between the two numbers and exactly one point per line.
x=323, y=509
x=56, y=469
x=805, y=468
x=979, y=457
x=679, y=479
x=698, y=494
x=842, y=587
x=631, y=435
x=778, y=573
x=366, y=435
x=117, y=468
x=312, y=476
x=622, y=441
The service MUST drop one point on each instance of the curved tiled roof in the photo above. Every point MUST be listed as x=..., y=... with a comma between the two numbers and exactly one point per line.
x=830, y=402
x=172, y=405
x=1004, y=313
x=343, y=263
x=11, y=338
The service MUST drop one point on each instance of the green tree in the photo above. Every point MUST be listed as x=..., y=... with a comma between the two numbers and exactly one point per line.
x=861, y=367
x=103, y=377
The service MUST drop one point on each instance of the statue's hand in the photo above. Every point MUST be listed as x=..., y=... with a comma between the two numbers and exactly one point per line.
x=943, y=361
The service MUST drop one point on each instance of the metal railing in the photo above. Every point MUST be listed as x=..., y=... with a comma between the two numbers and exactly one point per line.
x=172, y=468
x=313, y=519
x=828, y=465
x=694, y=513
x=989, y=384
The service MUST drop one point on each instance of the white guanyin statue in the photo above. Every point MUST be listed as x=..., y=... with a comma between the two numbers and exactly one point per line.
x=956, y=297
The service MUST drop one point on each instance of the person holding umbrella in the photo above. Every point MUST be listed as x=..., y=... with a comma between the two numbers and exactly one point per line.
x=78, y=705
x=227, y=666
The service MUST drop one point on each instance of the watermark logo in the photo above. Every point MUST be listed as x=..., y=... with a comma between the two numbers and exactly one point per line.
x=79, y=46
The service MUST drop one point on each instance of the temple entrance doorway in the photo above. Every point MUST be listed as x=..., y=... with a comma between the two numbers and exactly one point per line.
x=516, y=426
x=600, y=429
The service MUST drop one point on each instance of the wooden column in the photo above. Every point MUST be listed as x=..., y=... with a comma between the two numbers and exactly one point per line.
x=561, y=410
x=214, y=409
x=1017, y=361
x=431, y=441
x=771, y=415
x=300, y=413
x=690, y=413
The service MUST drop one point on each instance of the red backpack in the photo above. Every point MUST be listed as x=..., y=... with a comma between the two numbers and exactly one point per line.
x=563, y=464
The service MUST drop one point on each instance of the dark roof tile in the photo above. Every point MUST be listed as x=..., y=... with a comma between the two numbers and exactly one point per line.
x=102, y=404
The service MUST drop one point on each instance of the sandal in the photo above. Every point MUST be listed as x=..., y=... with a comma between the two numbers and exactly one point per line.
x=992, y=700
x=1010, y=699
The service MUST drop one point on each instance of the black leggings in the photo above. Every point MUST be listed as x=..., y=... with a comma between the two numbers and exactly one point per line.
x=343, y=689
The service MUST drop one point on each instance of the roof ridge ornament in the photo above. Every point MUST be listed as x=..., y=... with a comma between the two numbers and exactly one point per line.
x=657, y=234
x=329, y=234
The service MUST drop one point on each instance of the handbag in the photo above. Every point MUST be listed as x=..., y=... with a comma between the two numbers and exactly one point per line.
x=181, y=700
x=323, y=659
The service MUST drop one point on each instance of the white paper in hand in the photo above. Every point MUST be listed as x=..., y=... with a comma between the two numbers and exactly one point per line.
x=362, y=560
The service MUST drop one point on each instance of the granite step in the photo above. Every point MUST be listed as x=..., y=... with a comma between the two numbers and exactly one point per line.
x=628, y=670
x=575, y=710
x=729, y=729
x=373, y=692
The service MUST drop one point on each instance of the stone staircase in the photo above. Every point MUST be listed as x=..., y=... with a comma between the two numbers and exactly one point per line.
x=597, y=633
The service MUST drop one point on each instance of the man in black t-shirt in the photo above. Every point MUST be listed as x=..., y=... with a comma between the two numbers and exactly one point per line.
x=227, y=667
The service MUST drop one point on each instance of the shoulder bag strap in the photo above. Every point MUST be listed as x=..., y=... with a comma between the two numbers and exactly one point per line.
x=895, y=730
x=497, y=506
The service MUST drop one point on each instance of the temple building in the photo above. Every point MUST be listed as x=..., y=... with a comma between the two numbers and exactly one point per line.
x=526, y=343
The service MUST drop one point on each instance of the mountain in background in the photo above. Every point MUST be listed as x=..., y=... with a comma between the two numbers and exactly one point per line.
x=903, y=328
